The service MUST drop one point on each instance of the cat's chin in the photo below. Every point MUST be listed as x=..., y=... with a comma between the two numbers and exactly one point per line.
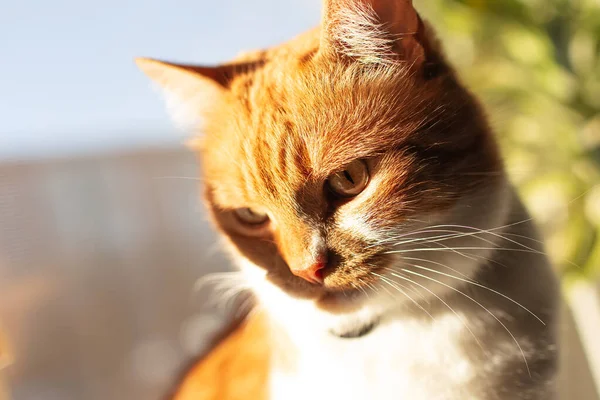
x=340, y=301
x=331, y=300
x=334, y=300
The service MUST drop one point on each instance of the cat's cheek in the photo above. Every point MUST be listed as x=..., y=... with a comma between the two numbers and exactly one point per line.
x=355, y=217
x=255, y=275
x=358, y=224
x=280, y=304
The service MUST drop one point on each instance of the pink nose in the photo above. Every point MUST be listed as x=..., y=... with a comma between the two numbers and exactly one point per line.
x=313, y=273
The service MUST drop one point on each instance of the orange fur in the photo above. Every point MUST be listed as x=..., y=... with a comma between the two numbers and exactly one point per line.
x=236, y=369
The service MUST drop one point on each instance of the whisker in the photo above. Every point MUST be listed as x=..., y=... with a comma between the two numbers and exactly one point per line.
x=480, y=305
x=429, y=227
x=436, y=263
x=489, y=232
x=245, y=307
x=391, y=283
x=464, y=248
x=458, y=235
x=359, y=287
x=371, y=286
x=386, y=289
x=448, y=306
x=226, y=285
x=179, y=177
x=483, y=287
x=412, y=289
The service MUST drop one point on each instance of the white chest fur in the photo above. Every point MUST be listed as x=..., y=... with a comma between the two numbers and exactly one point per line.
x=402, y=358
x=397, y=360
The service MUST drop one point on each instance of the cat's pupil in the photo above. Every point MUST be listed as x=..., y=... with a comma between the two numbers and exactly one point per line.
x=350, y=181
x=348, y=176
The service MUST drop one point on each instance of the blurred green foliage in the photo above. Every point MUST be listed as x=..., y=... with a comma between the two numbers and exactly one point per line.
x=536, y=65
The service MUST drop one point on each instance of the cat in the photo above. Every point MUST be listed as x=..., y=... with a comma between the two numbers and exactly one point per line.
x=359, y=188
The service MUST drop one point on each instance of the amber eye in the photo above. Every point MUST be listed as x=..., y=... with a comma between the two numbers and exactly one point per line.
x=351, y=180
x=249, y=216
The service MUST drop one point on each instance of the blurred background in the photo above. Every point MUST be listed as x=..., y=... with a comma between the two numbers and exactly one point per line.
x=102, y=236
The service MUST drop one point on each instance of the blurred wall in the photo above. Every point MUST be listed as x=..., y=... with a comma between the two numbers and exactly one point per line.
x=98, y=259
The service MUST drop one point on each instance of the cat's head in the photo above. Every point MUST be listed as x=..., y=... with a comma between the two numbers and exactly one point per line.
x=321, y=155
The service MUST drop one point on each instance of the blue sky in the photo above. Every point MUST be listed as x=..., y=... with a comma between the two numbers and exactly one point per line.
x=67, y=80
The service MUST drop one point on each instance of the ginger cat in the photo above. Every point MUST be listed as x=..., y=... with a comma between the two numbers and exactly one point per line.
x=360, y=189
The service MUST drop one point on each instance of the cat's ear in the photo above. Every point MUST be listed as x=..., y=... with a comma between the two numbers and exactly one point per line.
x=190, y=90
x=374, y=31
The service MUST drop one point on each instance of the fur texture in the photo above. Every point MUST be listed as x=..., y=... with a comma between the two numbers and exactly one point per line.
x=436, y=253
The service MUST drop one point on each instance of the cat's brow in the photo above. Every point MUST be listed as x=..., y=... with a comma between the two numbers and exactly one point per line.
x=334, y=164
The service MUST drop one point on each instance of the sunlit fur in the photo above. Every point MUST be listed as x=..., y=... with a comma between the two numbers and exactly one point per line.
x=437, y=252
x=362, y=35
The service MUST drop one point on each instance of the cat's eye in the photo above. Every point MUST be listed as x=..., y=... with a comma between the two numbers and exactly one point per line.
x=350, y=181
x=250, y=216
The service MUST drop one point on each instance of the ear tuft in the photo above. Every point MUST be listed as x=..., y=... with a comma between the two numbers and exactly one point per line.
x=357, y=33
x=374, y=31
x=153, y=69
x=189, y=91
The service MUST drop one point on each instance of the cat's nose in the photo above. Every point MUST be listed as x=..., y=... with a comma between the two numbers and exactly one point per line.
x=312, y=273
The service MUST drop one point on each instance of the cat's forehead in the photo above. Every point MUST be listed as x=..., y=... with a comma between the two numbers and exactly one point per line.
x=330, y=114
x=295, y=120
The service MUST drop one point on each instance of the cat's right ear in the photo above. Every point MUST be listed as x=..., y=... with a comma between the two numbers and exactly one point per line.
x=374, y=31
x=190, y=91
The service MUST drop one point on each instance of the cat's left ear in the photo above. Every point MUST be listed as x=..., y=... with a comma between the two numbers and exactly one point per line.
x=375, y=31
x=190, y=90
